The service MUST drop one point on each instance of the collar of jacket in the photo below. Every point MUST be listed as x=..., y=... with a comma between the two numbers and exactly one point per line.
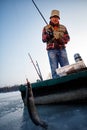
x=52, y=24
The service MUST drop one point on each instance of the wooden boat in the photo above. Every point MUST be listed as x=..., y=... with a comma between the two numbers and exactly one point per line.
x=71, y=86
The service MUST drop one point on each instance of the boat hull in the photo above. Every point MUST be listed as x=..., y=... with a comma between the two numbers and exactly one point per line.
x=76, y=95
x=69, y=88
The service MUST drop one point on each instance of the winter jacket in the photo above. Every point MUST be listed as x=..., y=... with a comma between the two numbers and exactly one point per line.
x=55, y=36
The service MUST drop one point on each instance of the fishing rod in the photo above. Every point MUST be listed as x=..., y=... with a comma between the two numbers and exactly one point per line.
x=35, y=68
x=39, y=70
x=39, y=12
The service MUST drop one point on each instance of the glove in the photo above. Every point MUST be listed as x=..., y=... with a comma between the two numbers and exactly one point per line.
x=49, y=33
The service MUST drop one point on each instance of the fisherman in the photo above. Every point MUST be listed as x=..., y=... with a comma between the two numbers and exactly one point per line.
x=56, y=36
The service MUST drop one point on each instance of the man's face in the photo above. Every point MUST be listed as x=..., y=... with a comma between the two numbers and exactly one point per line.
x=54, y=20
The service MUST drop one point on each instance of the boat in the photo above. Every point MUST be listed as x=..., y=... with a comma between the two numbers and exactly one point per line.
x=71, y=86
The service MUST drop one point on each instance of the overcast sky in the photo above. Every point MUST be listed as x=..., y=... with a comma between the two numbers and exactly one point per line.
x=21, y=30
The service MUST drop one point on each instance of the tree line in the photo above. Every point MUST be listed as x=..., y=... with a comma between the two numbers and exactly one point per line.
x=9, y=89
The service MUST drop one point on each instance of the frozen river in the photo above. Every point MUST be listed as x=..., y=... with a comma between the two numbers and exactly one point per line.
x=14, y=116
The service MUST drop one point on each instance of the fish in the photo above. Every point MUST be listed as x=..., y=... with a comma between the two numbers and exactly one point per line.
x=32, y=108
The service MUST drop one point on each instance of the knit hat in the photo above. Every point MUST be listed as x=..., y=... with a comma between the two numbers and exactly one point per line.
x=55, y=13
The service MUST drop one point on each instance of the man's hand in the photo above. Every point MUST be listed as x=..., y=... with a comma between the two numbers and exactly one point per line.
x=49, y=32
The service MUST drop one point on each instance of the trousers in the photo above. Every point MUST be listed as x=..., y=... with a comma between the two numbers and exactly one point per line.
x=57, y=57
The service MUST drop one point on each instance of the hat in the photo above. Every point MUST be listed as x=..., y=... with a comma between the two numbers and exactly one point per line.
x=55, y=13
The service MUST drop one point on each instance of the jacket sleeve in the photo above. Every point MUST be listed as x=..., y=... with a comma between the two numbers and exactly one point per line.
x=45, y=36
x=66, y=38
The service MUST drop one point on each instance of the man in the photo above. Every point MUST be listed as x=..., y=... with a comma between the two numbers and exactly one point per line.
x=56, y=36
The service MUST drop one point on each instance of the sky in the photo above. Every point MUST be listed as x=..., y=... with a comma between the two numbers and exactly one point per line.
x=21, y=33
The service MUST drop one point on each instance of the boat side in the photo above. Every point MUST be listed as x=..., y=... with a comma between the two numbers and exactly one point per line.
x=67, y=88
